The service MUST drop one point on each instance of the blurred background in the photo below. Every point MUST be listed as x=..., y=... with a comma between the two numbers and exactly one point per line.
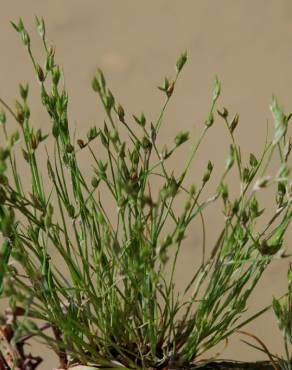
x=247, y=44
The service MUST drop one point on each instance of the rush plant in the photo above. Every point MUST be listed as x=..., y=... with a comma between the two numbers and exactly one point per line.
x=93, y=286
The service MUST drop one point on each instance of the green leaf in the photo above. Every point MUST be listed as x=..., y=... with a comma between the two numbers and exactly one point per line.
x=5, y=252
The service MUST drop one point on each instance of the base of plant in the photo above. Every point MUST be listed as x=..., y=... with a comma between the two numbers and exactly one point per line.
x=216, y=365
x=238, y=365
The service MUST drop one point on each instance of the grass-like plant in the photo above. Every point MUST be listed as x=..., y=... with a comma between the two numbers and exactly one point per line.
x=94, y=287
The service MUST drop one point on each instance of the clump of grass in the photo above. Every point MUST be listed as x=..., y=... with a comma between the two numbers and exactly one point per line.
x=112, y=304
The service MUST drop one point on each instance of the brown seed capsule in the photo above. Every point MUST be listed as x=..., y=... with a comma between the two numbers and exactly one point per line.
x=33, y=142
x=71, y=210
x=80, y=143
x=170, y=89
x=19, y=113
x=121, y=113
x=69, y=148
x=40, y=73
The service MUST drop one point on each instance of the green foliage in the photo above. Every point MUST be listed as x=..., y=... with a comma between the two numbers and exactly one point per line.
x=283, y=310
x=111, y=303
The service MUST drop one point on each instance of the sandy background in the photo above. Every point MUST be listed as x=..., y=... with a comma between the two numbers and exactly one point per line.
x=247, y=43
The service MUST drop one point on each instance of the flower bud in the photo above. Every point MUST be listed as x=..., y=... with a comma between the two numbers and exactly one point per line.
x=216, y=89
x=234, y=123
x=25, y=37
x=71, y=210
x=56, y=74
x=181, y=61
x=223, y=113
x=23, y=91
x=181, y=138
x=95, y=182
x=92, y=133
x=141, y=121
x=103, y=139
x=209, y=122
x=95, y=85
x=252, y=160
x=40, y=26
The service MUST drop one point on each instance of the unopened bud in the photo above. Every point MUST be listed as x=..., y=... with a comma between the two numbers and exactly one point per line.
x=223, y=113
x=181, y=61
x=25, y=155
x=23, y=91
x=56, y=74
x=95, y=85
x=234, y=123
x=181, y=138
x=71, y=210
x=121, y=113
x=25, y=37
x=95, y=182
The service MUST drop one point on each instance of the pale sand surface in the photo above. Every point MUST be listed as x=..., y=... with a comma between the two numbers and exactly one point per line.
x=247, y=43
